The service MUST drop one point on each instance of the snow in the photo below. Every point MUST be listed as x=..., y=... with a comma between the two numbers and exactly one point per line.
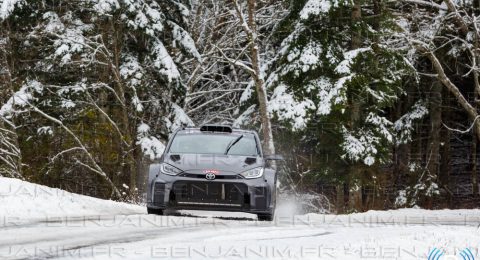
x=183, y=38
x=315, y=7
x=54, y=24
x=21, y=98
x=247, y=93
x=7, y=7
x=360, y=145
x=38, y=222
x=164, y=62
x=432, y=190
x=27, y=201
x=78, y=87
x=70, y=39
x=289, y=40
x=143, y=128
x=340, y=88
x=145, y=16
x=328, y=95
x=106, y=6
x=183, y=9
x=132, y=70
x=404, y=125
x=284, y=105
x=401, y=198
x=403, y=23
x=137, y=104
x=45, y=130
x=401, y=234
x=245, y=117
x=67, y=104
x=383, y=125
x=180, y=118
x=309, y=55
x=305, y=59
x=344, y=66
x=150, y=145
x=141, y=20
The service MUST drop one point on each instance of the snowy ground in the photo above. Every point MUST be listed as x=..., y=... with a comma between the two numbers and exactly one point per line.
x=37, y=222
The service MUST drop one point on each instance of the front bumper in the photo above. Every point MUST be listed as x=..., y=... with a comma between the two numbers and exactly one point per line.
x=226, y=194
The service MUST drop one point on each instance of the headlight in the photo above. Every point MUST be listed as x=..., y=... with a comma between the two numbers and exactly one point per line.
x=253, y=173
x=169, y=170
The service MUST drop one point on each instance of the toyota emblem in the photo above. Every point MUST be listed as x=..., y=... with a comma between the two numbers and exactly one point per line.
x=210, y=176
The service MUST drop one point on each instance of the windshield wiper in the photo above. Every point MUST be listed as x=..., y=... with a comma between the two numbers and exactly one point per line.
x=231, y=144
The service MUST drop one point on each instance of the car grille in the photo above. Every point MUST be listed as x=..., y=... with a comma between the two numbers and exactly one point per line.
x=219, y=194
x=202, y=176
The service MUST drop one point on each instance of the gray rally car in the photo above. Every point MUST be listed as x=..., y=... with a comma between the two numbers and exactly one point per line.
x=213, y=168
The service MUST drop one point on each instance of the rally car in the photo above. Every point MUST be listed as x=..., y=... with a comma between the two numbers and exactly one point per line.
x=213, y=167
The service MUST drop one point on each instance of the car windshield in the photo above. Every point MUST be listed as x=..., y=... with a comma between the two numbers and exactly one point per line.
x=203, y=143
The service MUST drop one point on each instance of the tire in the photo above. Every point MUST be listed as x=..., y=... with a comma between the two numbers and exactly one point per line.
x=154, y=211
x=265, y=217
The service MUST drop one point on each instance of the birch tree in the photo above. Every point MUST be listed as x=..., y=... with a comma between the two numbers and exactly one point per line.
x=249, y=25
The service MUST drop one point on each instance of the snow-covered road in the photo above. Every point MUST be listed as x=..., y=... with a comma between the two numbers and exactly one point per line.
x=403, y=234
x=110, y=230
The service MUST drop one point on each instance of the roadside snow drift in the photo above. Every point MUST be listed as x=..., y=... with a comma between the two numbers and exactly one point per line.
x=24, y=200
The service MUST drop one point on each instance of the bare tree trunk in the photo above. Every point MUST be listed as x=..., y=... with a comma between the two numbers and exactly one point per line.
x=433, y=149
x=356, y=16
x=475, y=134
x=355, y=189
x=128, y=142
x=471, y=111
x=474, y=166
x=435, y=125
x=445, y=164
x=340, y=205
x=11, y=155
x=458, y=18
x=250, y=28
x=259, y=81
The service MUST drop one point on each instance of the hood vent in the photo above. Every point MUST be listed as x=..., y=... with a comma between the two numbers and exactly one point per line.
x=175, y=157
x=250, y=160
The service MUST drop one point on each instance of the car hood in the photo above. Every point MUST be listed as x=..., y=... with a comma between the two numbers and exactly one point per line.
x=224, y=164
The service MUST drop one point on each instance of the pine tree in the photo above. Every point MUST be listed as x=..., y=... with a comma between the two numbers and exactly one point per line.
x=336, y=70
x=101, y=83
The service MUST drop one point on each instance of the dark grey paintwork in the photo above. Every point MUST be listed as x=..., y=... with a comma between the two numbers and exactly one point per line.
x=259, y=194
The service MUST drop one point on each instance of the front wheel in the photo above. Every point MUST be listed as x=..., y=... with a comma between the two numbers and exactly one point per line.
x=265, y=217
x=155, y=211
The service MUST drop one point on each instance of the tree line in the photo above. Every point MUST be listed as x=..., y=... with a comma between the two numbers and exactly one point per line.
x=374, y=103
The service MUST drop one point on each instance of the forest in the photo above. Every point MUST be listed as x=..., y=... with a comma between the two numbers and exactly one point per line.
x=374, y=104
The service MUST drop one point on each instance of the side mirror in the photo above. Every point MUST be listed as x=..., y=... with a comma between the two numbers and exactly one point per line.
x=274, y=157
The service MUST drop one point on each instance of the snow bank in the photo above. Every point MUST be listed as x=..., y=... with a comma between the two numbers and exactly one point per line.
x=23, y=200
x=402, y=217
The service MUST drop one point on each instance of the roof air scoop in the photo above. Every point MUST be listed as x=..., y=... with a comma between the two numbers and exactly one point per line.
x=216, y=128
